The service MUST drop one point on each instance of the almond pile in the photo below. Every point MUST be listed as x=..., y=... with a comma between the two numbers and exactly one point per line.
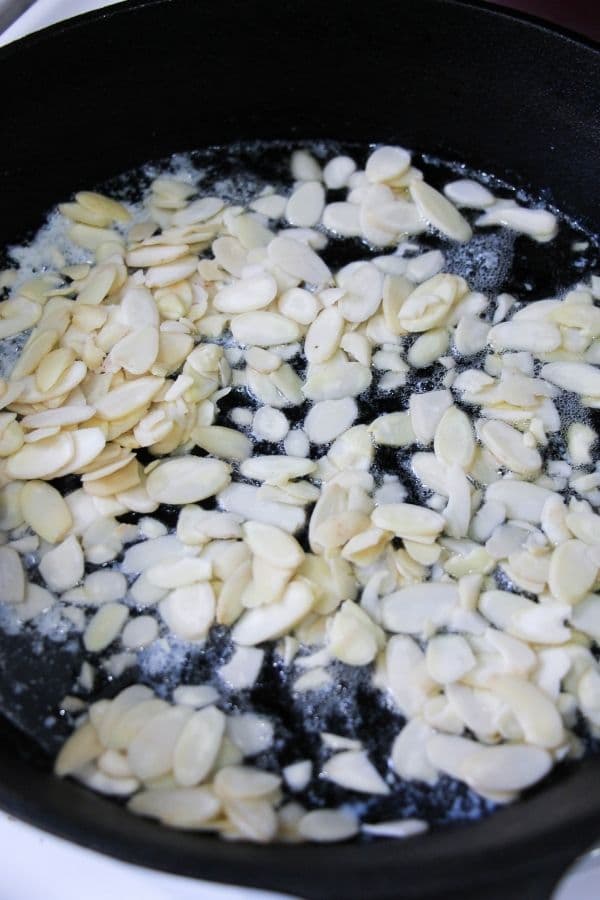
x=475, y=607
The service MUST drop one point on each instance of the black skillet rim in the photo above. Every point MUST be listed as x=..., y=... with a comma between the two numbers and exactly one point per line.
x=551, y=825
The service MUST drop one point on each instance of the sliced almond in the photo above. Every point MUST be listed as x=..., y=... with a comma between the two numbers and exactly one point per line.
x=42, y=459
x=187, y=480
x=509, y=448
x=105, y=626
x=189, y=611
x=62, y=567
x=269, y=622
x=353, y=770
x=45, y=511
x=414, y=609
x=407, y=520
x=12, y=577
x=198, y=745
x=573, y=572
x=439, y=212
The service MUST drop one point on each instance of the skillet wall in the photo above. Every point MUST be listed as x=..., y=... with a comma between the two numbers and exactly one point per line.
x=88, y=100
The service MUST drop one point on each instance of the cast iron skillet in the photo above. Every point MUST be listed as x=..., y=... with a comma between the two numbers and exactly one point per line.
x=102, y=93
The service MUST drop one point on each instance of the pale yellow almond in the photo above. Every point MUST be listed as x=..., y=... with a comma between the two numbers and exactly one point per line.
x=12, y=576
x=45, y=511
x=42, y=459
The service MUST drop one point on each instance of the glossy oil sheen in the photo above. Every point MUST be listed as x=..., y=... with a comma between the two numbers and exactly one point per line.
x=104, y=93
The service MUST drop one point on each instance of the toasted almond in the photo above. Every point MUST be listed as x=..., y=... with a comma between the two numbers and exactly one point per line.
x=155, y=254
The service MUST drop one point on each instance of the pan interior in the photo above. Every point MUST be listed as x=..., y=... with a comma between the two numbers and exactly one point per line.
x=41, y=662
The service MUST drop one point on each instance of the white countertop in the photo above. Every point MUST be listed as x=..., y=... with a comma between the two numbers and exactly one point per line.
x=38, y=866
